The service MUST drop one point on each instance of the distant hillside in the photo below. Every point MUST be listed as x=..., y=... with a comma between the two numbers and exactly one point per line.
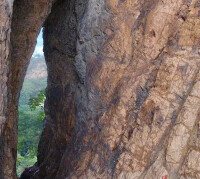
x=35, y=80
x=37, y=68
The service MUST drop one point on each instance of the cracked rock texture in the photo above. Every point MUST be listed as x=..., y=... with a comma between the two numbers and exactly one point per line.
x=123, y=94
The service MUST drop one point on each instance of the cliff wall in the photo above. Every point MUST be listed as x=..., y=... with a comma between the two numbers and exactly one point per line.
x=123, y=88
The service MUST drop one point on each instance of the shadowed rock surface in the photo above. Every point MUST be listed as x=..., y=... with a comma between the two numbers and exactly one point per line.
x=123, y=94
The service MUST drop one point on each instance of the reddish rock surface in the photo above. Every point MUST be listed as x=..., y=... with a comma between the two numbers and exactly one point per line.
x=5, y=27
x=123, y=94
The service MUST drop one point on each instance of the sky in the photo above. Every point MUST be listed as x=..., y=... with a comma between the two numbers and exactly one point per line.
x=39, y=45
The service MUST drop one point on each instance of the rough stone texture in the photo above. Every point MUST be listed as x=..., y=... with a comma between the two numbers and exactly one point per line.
x=131, y=109
x=123, y=88
x=5, y=24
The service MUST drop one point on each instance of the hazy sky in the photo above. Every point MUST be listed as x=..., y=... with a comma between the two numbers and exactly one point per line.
x=39, y=45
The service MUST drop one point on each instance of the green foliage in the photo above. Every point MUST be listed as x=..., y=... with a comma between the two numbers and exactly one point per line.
x=29, y=127
x=29, y=131
x=30, y=124
x=31, y=88
x=23, y=162
x=38, y=102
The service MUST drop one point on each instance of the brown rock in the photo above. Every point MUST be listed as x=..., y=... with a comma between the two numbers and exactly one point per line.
x=123, y=88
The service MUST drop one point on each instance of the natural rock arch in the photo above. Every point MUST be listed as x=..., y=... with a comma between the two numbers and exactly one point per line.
x=23, y=21
x=123, y=88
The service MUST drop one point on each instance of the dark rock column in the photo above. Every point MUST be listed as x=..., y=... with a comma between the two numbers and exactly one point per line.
x=60, y=36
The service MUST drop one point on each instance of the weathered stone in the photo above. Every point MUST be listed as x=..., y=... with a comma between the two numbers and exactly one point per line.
x=123, y=88
x=5, y=26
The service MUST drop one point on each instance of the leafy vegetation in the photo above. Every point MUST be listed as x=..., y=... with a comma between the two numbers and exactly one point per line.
x=38, y=103
x=31, y=115
x=31, y=88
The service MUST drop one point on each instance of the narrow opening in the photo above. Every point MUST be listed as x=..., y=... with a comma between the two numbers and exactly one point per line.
x=31, y=109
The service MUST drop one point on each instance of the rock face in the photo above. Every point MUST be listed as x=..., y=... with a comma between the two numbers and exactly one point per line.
x=5, y=24
x=123, y=88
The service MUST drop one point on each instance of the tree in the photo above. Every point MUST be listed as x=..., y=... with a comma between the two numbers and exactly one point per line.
x=38, y=102
x=30, y=126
